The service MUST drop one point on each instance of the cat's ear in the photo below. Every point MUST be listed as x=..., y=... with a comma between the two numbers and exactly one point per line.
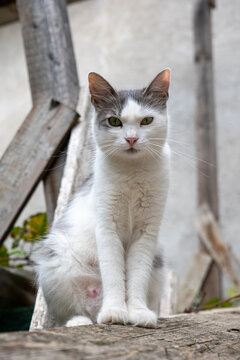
x=159, y=86
x=100, y=89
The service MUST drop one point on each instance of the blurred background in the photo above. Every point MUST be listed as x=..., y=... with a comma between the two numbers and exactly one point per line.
x=129, y=42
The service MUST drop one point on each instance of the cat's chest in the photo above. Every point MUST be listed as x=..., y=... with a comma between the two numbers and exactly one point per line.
x=133, y=208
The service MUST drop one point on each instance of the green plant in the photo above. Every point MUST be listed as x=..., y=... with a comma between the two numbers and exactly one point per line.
x=23, y=239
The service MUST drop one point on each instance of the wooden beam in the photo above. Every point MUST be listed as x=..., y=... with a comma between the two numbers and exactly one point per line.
x=213, y=240
x=206, y=127
x=203, y=336
x=192, y=284
x=49, y=50
x=51, y=66
x=9, y=13
x=169, y=297
x=31, y=152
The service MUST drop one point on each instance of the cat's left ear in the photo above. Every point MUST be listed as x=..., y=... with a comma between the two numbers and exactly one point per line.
x=159, y=86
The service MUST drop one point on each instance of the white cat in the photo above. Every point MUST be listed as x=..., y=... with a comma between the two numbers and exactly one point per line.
x=101, y=261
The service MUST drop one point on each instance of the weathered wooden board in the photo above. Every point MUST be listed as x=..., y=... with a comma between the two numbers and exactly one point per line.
x=79, y=159
x=213, y=240
x=203, y=336
x=206, y=127
x=9, y=13
x=194, y=279
x=30, y=153
x=49, y=51
x=51, y=67
x=169, y=298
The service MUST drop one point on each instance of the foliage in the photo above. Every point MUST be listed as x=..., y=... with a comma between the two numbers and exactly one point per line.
x=216, y=303
x=23, y=238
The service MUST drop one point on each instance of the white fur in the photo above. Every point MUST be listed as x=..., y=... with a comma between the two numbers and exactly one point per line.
x=98, y=261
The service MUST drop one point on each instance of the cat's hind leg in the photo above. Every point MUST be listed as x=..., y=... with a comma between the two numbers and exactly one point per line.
x=68, y=291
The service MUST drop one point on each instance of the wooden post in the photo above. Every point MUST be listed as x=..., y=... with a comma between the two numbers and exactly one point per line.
x=31, y=152
x=51, y=66
x=206, y=128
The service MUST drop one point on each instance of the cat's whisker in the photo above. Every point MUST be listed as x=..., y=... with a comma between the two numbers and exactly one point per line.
x=152, y=154
x=172, y=140
x=192, y=157
x=155, y=152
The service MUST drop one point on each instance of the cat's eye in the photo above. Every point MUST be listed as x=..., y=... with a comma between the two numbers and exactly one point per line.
x=113, y=121
x=147, y=120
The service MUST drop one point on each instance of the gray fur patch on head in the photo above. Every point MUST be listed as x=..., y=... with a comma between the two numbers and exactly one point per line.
x=109, y=102
x=114, y=104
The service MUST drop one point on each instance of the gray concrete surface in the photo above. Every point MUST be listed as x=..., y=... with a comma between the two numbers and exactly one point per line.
x=129, y=42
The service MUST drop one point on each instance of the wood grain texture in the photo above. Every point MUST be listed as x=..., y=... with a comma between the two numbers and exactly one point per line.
x=206, y=128
x=30, y=153
x=213, y=240
x=9, y=13
x=205, y=336
x=79, y=160
x=49, y=50
x=195, y=277
x=51, y=67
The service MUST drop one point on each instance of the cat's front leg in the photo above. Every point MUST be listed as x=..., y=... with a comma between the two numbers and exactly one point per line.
x=111, y=263
x=139, y=268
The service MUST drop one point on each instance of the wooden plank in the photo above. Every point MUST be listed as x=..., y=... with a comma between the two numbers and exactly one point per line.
x=51, y=66
x=9, y=13
x=205, y=336
x=192, y=284
x=30, y=153
x=49, y=50
x=169, y=298
x=206, y=127
x=79, y=159
x=213, y=240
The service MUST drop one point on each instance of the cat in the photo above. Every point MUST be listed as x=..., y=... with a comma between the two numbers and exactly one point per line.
x=101, y=261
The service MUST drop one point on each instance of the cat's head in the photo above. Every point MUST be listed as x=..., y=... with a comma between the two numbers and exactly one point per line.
x=133, y=123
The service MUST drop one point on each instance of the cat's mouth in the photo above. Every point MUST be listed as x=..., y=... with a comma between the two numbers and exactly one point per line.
x=131, y=151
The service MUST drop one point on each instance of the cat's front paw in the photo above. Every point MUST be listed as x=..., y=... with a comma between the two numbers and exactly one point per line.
x=142, y=317
x=113, y=315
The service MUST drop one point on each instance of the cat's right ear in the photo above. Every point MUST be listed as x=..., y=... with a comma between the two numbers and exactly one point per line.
x=100, y=89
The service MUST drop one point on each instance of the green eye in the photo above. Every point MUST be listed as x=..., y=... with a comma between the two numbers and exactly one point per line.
x=147, y=120
x=113, y=121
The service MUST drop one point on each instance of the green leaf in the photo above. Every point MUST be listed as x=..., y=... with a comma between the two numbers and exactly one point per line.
x=232, y=291
x=35, y=227
x=4, y=256
x=212, y=301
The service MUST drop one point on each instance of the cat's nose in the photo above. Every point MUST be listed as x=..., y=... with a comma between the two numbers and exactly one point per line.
x=131, y=140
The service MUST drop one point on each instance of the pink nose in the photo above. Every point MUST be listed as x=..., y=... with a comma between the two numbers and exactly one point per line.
x=131, y=140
